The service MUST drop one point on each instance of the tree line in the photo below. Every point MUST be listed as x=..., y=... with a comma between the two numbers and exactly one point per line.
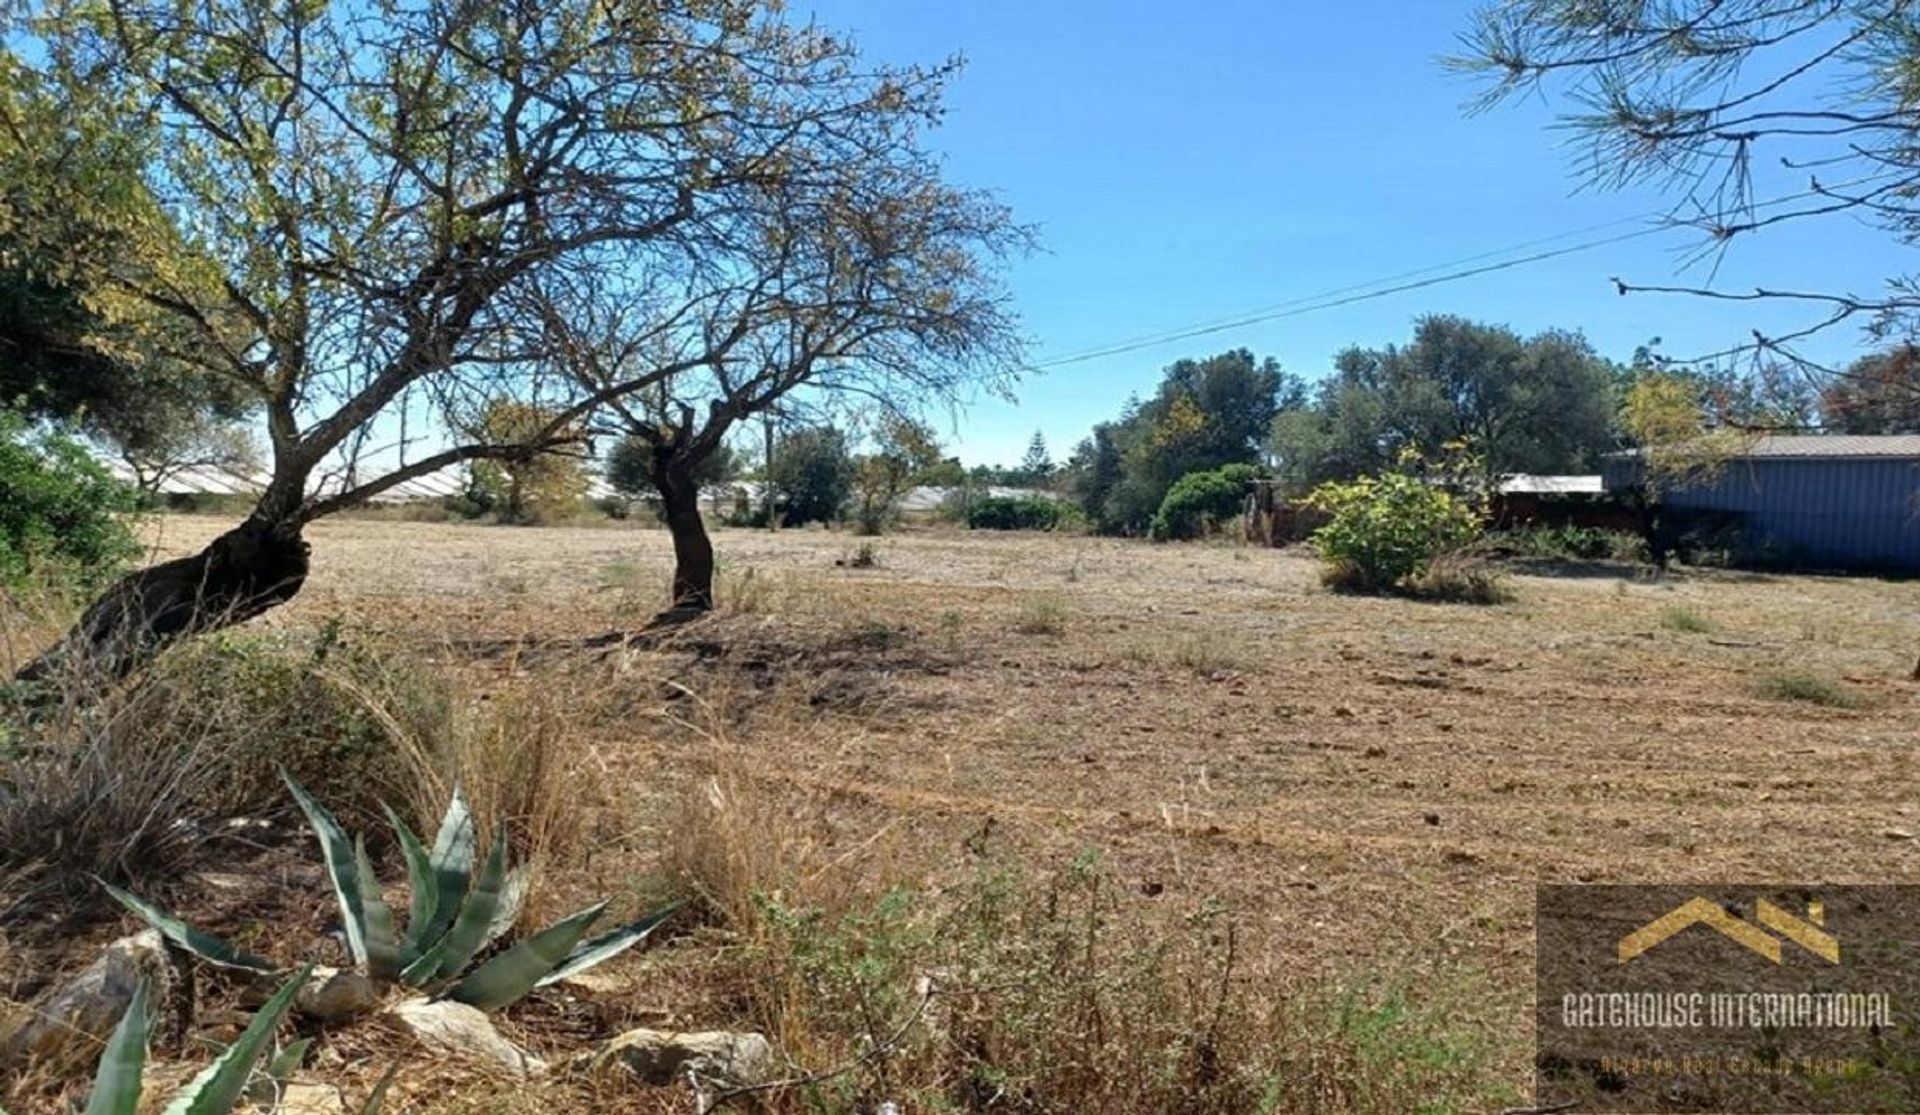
x=1544, y=404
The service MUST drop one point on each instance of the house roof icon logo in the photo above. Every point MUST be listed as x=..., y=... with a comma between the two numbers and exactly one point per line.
x=1808, y=933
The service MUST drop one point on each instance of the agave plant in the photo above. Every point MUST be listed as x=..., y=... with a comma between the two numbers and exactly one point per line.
x=455, y=911
x=218, y=1087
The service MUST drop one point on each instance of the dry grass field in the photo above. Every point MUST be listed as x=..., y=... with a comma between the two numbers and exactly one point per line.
x=1368, y=788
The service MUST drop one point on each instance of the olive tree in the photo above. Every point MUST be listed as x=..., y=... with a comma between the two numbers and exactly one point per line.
x=359, y=214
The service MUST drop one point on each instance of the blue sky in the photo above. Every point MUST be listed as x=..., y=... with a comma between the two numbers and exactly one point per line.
x=1187, y=163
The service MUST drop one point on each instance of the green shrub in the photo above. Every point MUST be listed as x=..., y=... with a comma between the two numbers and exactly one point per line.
x=1200, y=501
x=61, y=513
x=1385, y=529
x=1016, y=513
x=1812, y=689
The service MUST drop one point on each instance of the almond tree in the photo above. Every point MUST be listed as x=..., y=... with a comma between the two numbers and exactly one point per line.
x=863, y=283
x=360, y=212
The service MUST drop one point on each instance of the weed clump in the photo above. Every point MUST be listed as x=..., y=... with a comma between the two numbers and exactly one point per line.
x=1812, y=689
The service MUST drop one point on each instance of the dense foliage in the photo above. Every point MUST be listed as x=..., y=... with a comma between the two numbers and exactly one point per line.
x=1385, y=529
x=1015, y=513
x=1543, y=404
x=1206, y=414
x=630, y=463
x=811, y=475
x=60, y=510
x=1200, y=502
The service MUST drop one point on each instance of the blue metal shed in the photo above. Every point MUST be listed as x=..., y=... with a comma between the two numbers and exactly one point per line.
x=1844, y=501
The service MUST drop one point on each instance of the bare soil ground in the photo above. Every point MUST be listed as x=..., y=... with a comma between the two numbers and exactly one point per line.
x=1374, y=785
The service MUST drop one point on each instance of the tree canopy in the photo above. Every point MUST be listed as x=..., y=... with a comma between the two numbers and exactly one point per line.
x=1205, y=414
x=357, y=220
x=1543, y=404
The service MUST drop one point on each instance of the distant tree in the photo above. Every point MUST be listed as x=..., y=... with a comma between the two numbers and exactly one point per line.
x=629, y=468
x=812, y=475
x=1667, y=417
x=1543, y=404
x=1205, y=414
x=947, y=472
x=903, y=447
x=1037, y=466
x=1094, y=471
x=1878, y=394
x=529, y=489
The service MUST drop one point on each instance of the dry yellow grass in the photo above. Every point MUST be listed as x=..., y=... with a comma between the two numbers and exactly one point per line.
x=1367, y=784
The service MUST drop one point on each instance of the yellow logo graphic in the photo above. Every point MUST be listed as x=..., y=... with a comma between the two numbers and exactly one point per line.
x=1807, y=933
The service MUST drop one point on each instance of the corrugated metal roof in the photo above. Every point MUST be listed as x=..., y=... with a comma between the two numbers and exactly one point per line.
x=1835, y=445
x=1824, y=446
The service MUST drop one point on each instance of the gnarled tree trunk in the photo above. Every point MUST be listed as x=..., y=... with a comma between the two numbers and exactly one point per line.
x=255, y=566
x=692, y=549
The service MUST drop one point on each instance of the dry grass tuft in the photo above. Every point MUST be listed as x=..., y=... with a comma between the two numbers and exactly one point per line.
x=1042, y=613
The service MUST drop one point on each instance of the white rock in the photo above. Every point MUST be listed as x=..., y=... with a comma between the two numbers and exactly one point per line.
x=726, y=1058
x=462, y=1031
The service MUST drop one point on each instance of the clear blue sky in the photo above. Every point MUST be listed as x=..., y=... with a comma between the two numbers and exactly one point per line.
x=1185, y=163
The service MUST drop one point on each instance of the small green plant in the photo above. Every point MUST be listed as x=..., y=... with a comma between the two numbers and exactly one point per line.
x=1679, y=618
x=454, y=913
x=864, y=557
x=1812, y=689
x=1383, y=530
x=220, y=1086
x=1042, y=613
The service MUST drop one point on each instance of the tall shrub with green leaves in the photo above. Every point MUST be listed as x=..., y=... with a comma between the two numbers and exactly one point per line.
x=1386, y=529
x=1200, y=501
x=60, y=510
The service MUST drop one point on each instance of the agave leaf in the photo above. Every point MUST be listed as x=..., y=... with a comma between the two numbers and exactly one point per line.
x=513, y=895
x=469, y=930
x=116, y=1083
x=221, y=1084
x=607, y=946
x=423, y=890
x=203, y=945
x=452, y=952
x=338, y=852
x=383, y=950
x=287, y=1060
x=515, y=972
x=452, y=860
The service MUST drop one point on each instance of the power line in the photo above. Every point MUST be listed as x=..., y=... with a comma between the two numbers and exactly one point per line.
x=1331, y=299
